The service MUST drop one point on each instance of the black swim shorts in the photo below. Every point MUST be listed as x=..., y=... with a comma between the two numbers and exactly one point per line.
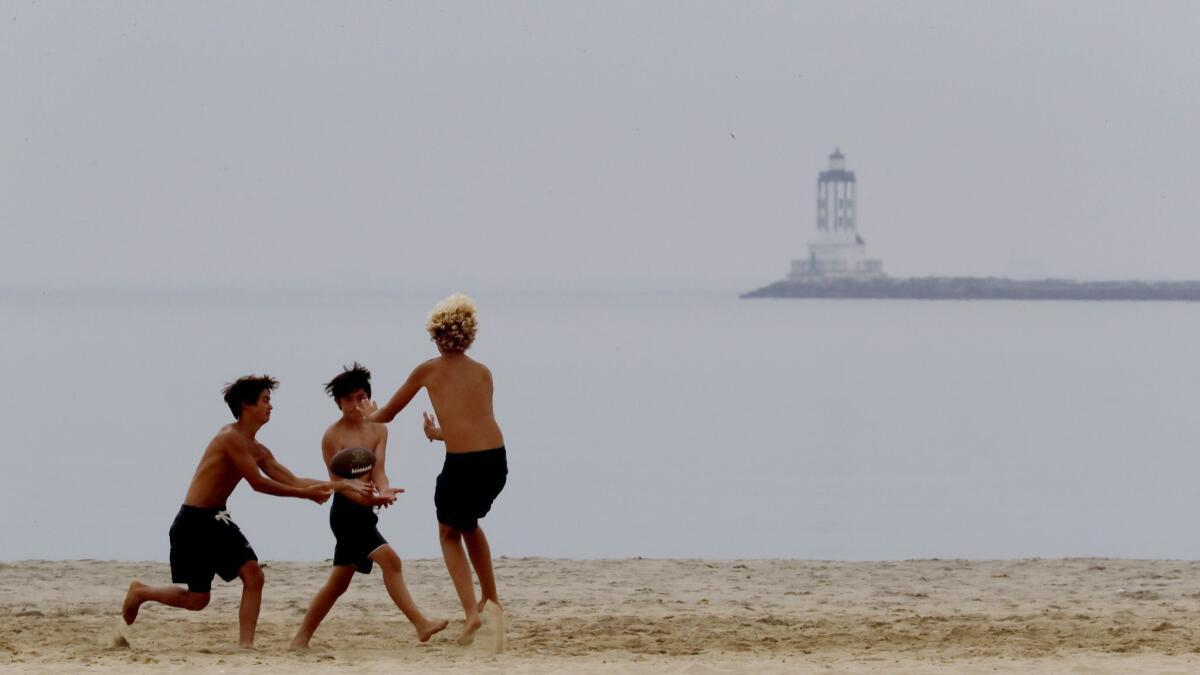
x=467, y=486
x=206, y=542
x=354, y=528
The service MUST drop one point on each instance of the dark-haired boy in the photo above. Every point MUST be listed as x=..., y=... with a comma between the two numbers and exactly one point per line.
x=352, y=516
x=204, y=539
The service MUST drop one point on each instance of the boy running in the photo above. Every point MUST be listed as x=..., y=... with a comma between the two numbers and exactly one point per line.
x=352, y=518
x=204, y=539
x=476, y=466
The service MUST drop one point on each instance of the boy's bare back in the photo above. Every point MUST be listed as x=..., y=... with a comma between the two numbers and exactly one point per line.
x=460, y=389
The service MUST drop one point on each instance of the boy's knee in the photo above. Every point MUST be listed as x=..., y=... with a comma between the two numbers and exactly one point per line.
x=448, y=533
x=252, y=576
x=387, y=559
x=339, y=586
x=196, y=601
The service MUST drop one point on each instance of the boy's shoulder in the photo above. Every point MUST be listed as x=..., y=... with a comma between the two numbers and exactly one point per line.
x=228, y=437
x=430, y=364
x=457, y=361
x=480, y=367
x=332, y=432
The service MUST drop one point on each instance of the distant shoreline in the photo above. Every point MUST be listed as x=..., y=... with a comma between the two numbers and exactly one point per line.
x=981, y=288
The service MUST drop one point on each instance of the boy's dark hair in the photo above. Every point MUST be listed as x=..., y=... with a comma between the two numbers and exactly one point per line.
x=349, y=381
x=245, y=391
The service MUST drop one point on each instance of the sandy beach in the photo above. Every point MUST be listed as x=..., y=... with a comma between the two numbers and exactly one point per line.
x=687, y=616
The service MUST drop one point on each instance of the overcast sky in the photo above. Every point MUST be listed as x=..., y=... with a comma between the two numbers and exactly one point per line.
x=590, y=145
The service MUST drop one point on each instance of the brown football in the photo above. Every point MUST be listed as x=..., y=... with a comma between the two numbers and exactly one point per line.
x=352, y=463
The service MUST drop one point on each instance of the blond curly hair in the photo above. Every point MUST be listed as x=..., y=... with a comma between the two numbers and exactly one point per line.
x=452, y=323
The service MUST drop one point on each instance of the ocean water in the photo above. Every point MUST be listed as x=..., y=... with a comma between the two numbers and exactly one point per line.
x=651, y=424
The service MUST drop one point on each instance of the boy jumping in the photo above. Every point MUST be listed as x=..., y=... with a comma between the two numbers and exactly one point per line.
x=476, y=467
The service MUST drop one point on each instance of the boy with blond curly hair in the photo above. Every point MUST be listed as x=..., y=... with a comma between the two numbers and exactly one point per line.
x=476, y=466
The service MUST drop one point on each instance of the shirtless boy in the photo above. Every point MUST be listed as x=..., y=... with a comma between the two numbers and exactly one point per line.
x=352, y=518
x=204, y=539
x=476, y=468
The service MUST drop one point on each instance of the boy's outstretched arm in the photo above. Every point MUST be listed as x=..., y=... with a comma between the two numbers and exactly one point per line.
x=280, y=473
x=248, y=467
x=403, y=395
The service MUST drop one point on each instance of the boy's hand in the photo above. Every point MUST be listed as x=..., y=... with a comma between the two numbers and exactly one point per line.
x=367, y=408
x=432, y=432
x=363, y=488
x=318, y=493
x=387, y=497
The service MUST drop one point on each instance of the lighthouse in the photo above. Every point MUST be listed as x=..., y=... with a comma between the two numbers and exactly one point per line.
x=837, y=251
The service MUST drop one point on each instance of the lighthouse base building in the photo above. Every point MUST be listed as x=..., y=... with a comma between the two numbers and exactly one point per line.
x=831, y=258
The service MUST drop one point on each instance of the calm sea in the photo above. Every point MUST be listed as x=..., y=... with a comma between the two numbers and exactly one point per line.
x=653, y=424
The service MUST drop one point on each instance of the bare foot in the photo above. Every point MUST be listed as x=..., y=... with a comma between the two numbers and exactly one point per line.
x=129, y=610
x=468, y=634
x=298, y=645
x=246, y=646
x=432, y=628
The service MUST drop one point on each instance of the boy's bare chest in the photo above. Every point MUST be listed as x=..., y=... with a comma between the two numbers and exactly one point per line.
x=355, y=438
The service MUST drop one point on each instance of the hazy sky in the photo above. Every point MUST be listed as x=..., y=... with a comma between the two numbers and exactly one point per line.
x=606, y=144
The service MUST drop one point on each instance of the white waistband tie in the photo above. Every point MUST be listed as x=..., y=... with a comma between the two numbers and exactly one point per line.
x=223, y=516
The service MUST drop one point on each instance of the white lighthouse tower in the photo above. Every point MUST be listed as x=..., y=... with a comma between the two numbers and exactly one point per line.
x=838, y=252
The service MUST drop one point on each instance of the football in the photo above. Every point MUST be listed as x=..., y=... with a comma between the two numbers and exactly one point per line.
x=352, y=463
